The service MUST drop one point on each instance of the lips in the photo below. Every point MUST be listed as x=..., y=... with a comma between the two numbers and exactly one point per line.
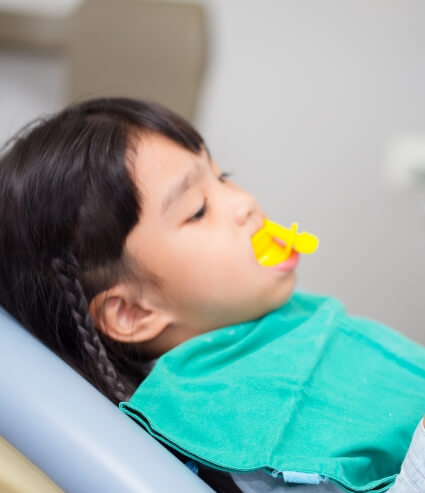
x=270, y=249
x=289, y=264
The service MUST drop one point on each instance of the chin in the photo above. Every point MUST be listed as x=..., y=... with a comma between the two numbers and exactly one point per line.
x=289, y=286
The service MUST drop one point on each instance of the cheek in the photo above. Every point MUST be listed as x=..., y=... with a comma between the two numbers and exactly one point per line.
x=199, y=271
x=220, y=270
x=207, y=267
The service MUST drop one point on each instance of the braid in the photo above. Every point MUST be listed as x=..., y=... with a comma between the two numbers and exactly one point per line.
x=66, y=271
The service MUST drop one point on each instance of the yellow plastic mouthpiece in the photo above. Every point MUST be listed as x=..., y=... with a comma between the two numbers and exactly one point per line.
x=270, y=252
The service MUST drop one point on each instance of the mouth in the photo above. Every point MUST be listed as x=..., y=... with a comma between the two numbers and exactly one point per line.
x=290, y=263
x=287, y=265
x=267, y=255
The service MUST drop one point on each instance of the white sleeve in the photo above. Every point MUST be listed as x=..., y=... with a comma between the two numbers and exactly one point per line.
x=412, y=475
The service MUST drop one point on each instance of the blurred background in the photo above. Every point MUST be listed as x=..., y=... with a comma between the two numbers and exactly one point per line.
x=318, y=108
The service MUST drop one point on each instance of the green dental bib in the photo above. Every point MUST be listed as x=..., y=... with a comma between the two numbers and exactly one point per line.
x=304, y=389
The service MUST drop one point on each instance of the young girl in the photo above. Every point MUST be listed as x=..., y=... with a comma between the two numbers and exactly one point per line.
x=121, y=238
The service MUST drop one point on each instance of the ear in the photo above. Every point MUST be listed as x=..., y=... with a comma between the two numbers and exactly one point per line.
x=127, y=317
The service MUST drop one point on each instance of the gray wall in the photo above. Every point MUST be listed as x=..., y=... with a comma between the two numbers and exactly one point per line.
x=29, y=86
x=301, y=101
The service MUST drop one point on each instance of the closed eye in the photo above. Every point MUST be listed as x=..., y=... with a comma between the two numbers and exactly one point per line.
x=201, y=213
x=223, y=176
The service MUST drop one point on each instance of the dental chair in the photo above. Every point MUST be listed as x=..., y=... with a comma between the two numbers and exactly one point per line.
x=57, y=432
x=53, y=423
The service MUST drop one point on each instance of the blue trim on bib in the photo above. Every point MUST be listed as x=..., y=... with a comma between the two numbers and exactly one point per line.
x=300, y=477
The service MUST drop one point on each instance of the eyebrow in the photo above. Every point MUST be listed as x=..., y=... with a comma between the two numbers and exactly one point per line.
x=179, y=188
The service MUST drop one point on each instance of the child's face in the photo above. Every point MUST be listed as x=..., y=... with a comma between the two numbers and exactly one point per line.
x=198, y=243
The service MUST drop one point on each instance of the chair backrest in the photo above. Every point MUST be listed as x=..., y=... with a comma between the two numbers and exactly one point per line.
x=68, y=429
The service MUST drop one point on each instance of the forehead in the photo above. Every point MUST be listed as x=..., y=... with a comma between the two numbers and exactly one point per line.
x=156, y=153
x=159, y=164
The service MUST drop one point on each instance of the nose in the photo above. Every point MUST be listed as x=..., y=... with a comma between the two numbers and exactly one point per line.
x=247, y=210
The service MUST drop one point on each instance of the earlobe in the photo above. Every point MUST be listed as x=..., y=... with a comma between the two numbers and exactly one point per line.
x=125, y=319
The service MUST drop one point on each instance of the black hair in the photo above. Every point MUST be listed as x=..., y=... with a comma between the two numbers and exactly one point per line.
x=67, y=204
